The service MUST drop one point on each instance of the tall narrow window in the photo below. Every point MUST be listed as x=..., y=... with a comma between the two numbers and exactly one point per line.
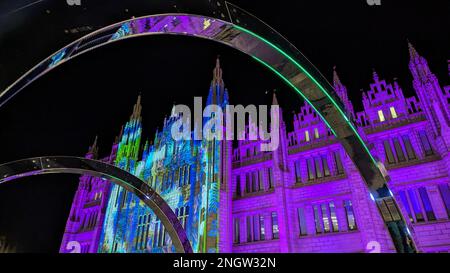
x=249, y=229
x=317, y=219
x=325, y=219
x=334, y=220
x=270, y=174
x=351, y=221
x=409, y=149
x=156, y=234
x=416, y=206
x=298, y=177
x=310, y=166
x=275, y=231
x=256, y=228
x=307, y=138
x=236, y=237
x=393, y=112
x=427, y=204
x=261, y=179
x=388, y=151
x=337, y=159
x=425, y=143
x=406, y=205
x=255, y=181
x=318, y=167
x=381, y=116
x=399, y=150
x=238, y=185
x=301, y=222
x=326, y=168
x=444, y=189
x=262, y=230
x=316, y=133
x=247, y=183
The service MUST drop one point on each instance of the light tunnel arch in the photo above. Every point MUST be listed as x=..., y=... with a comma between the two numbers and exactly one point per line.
x=246, y=33
x=83, y=166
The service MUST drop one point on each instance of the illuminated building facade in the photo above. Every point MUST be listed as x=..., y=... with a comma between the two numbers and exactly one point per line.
x=307, y=196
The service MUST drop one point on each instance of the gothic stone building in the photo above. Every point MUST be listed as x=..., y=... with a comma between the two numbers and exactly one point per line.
x=306, y=196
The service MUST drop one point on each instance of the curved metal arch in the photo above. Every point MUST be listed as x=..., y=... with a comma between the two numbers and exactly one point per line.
x=74, y=165
x=246, y=33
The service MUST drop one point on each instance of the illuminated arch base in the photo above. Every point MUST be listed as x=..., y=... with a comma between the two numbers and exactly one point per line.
x=246, y=33
x=74, y=165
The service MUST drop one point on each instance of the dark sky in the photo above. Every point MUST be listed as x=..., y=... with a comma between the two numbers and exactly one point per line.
x=61, y=113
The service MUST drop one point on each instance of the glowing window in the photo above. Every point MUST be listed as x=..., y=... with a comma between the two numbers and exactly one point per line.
x=307, y=139
x=316, y=133
x=393, y=112
x=381, y=115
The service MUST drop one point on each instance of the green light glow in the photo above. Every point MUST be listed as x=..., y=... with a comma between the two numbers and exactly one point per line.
x=311, y=78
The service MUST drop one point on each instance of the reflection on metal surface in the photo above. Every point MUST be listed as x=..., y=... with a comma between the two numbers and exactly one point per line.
x=75, y=165
x=228, y=24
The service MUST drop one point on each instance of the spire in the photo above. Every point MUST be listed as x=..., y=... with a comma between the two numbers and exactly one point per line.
x=274, y=99
x=375, y=75
x=412, y=51
x=119, y=137
x=336, y=80
x=137, y=109
x=217, y=74
x=93, y=150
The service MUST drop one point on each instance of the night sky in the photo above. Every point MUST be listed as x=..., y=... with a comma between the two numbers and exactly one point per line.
x=61, y=113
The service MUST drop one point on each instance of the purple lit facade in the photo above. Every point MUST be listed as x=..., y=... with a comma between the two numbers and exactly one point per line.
x=308, y=196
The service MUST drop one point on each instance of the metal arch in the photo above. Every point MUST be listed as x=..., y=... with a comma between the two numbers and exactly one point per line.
x=74, y=165
x=246, y=33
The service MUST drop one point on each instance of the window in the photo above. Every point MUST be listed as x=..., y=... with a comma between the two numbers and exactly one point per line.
x=249, y=229
x=334, y=221
x=238, y=185
x=317, y=219
x=316, y=133
x=247, y=183
x=236, y=237
x=301, y=222
x=325, y=219
x=326, y=168
x=425, y=143
x=298, y=177
x=444, y=189
x=409, y=149
x=399, y=150
x=275, y=231
x=256, y=228
x=406, y=205
x=416, y=206
x=388, y=151
x=183, y=214
x=337, y=159
x=142, y=231
x=307, y=138
x=310, y=166
x=427, y=204
x=261, y=180
x=351, y=221
x=255, y=182
x=270, y=174
x=319, y=173
x=381, y=116
x=262, y=231
x=393, y=112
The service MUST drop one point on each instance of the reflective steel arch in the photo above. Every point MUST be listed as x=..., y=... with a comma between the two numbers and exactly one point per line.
x=74, y=165
x=228, y=24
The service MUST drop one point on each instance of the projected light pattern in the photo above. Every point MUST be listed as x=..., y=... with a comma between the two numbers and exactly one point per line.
x=242, y=31
x=184, y=173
